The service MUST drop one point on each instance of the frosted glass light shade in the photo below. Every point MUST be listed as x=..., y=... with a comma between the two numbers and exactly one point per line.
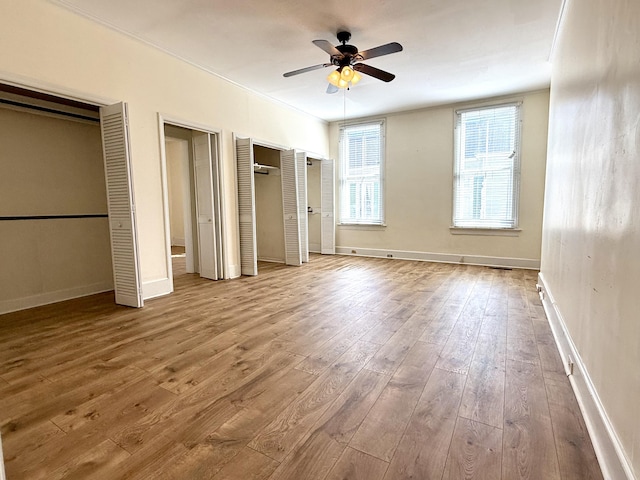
x=347, y=73
x=334, y=78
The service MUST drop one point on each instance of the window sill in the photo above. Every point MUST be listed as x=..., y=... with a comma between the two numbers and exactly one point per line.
x=501, y=232
x=362, y=226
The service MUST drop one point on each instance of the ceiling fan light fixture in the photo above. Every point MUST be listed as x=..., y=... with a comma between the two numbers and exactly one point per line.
x=344, y=77
x=334, y=78
x=347, y=73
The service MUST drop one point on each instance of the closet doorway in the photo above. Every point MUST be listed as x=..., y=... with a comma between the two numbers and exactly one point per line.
x=272, y=205
x=66, y=200
x=193, y=197
x=320, y=201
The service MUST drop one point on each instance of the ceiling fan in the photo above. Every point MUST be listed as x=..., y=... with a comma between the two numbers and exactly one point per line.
x=347, y=58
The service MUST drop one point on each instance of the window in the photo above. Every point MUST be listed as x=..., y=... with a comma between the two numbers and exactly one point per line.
x=487, y=167
x=361, y=174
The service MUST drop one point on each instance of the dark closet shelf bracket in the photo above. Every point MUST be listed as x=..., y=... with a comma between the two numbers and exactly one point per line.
x=52, y=217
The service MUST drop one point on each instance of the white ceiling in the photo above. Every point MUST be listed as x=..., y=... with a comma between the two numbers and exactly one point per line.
x=454, y=50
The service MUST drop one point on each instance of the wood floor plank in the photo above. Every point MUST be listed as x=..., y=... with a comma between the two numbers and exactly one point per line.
x=382, y=428
x=475, y=453
x=576, y=457
x=248, y=465
x=261, y=402
x=312, y=459
x=483, y=397
x=550, y=359
x=389, y=357
x=341, y=420
x=424, y=447
x=278, y=438
x=91, y=463
x=355, y=465
x=204, y=409
x=522, y=349
x=529, y=446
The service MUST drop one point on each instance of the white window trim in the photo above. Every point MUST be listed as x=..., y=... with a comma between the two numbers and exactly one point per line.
x=496, y=231
x=383, y=154
x=492, y=231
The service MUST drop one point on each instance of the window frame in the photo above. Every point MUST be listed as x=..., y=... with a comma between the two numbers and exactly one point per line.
x=342, y=180
x=484, y=228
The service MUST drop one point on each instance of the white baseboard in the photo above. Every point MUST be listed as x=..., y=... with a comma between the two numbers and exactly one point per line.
x=2, y=474
x=177, y=242
x=46, y=298
x=526, y=263
x=156, y=288
x=607, y=445
x=270, y=260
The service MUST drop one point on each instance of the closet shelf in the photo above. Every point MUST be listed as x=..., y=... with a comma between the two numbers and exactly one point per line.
x=264, y=168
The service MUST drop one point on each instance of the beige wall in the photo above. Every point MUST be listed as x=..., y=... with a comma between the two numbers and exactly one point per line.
x=48, y=46
x=419, y=188
x=269, y=216
x=591, y=233
x=51, y=166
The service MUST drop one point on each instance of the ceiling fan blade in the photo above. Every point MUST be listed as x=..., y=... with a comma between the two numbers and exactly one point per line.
x=332, y=88
x=328, y=47
x=305, y=70
x=374, y=72
x=392, y=47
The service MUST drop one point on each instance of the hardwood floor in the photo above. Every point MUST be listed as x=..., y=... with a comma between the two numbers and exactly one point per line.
x=344, y=368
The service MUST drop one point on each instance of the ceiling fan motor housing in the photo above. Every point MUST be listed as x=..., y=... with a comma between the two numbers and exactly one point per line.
x=349, y=56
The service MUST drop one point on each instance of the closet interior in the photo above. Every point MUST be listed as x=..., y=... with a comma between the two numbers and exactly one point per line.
x=53, y=200
x=269, y=213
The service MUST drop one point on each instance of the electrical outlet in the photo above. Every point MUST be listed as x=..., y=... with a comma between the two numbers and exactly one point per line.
x=569, y=366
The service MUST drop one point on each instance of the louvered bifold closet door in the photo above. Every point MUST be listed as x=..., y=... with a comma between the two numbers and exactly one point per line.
x=327, y=194
x=301, y=160
x=290, y=208
x=204, y=205
x=246, y=207
x=121, y=205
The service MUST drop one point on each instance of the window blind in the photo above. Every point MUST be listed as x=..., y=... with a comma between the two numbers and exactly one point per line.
x=487, y=167
x=361, y=179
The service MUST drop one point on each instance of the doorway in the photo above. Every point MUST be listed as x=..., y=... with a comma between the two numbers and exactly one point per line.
x=193, y=198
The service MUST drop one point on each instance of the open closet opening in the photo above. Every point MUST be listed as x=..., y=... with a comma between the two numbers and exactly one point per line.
x=66, y=201
x=314, y=208
x=320, y=201
x=269, y=215
x=194, y=201
x=272, y=224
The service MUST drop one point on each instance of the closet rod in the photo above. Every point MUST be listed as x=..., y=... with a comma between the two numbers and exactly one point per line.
x=52, y=217
x=48, y=110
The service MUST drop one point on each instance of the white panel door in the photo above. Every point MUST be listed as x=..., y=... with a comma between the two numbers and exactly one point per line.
x=121, y=205
x=301, y=161
x=204, y=205
x=290, y=208
x=246, y=207
x=327, y=194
